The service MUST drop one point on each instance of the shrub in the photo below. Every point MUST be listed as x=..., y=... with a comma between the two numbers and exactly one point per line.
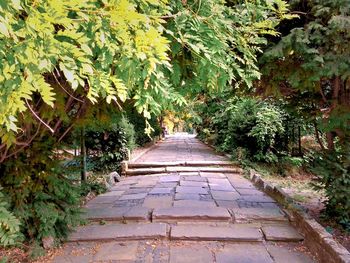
x=108, y=146
x=9, y=225
x=254, y=125
x=45, y=202
x=333, y=173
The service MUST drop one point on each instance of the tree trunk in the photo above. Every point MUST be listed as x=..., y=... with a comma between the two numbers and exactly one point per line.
x=83, y=155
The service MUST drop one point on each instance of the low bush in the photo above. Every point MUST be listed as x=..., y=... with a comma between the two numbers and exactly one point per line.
x=39, y=196
x=254, y=125
x=333, y=176
x=108, y=146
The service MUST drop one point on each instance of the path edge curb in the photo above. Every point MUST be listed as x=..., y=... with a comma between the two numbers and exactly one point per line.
x=317, y=239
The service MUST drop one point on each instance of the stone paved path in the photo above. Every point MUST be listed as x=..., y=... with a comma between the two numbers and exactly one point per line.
x=191, y=213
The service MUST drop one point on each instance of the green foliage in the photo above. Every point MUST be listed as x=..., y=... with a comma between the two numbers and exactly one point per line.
x=109, y=145
x=9, y=225
x=91, y=49
x=254, y=125
x=333, y=173
x=309, y=67
x=44, y=201
x=140, y=126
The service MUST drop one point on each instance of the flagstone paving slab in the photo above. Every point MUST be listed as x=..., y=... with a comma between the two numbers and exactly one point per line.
x=113, y=213
x=119, y=232
x=191, y=190
x=258, y=214
x=194, y=178
x=281, y=233
x=282, y=254
x=192, y=213
x=138, y=214
x=126, y=251
x=243, y=253
x=193, y=254
x=170, y=178
x=133, y=196
x=255, y=198
x=222, y=187
x=204, y=232
x=104, y=199
x=225, y=196
x=182, y=196
x=193, y=203
x=164, y=190
x=193, y=183
x=158, y=202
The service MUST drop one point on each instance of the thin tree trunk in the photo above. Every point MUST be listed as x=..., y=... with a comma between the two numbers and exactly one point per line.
x=318, y=136
x=83, y=155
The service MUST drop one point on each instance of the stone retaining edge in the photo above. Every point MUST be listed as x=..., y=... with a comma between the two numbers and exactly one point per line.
x=317, y=239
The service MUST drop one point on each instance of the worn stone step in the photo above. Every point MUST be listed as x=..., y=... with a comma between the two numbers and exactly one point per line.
x=173, y=169
x=143, y=171
x=257, y=214
x=119, y=232
x=285, y=233
x=190, y=213
x=184, y=163
x=118, y=214
x=238, y=233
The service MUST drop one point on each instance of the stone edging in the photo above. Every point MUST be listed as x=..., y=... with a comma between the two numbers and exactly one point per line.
x=317, y=239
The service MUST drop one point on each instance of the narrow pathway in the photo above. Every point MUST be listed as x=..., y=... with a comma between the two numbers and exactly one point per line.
x=184, y=204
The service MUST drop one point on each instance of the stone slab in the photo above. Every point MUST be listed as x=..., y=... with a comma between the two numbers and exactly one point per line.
x=171, y=169
x=193, y=183
x=119, y=232
x=215, y=233
x=222, y=187
x=193, y=203
x=257, y=198
x=182, y=196
x=169, y=178
x=137, y=191
x=227, y=204
x=112, y=193
x=282, y=254
x=142, y=171
x=194, y=178
x=189, y=174
x=243, y=253
x=104, y=200
x=110, y=213
x=126, y=251
x=191, y=190
x=258, y=214
x=138, y=213
x=247, y=191
x=163, y=190
x=225, y=196
x=166, y=185
x=281, y=233
x=73, y=259
x=193, y=254
x=190, y=213
x=133, y=196
x=218, y=181
x=158, y=202
x=212, y=175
